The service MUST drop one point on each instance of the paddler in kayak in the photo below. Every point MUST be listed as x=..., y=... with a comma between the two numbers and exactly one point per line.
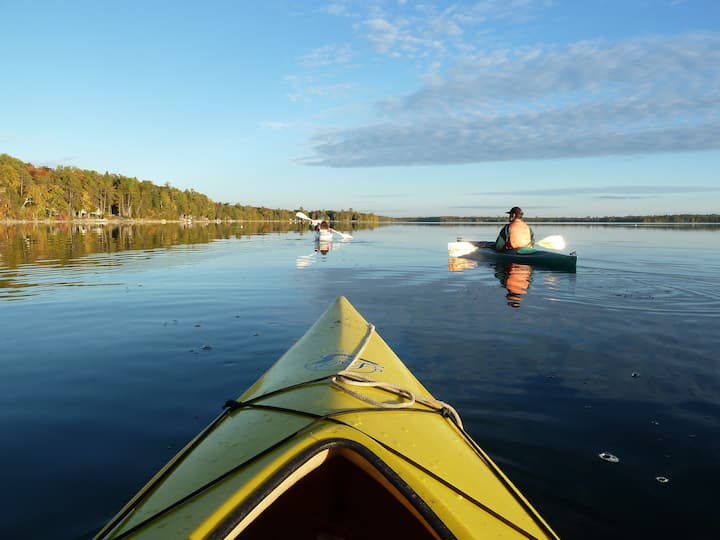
x=322, y=226
x=516, y=234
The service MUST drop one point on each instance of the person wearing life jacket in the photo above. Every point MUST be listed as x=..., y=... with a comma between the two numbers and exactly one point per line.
x=516, y=234
x=322, y=226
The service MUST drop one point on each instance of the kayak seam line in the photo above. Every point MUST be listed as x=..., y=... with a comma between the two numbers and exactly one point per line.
x=229, y=407
x=450, y=486
x=317, y=420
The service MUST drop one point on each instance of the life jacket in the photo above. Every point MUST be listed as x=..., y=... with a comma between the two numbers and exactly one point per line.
x=520, y=235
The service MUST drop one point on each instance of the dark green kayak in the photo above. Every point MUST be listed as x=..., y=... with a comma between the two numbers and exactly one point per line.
x=536, y=257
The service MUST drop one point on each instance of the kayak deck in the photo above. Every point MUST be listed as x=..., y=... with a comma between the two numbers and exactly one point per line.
x=337, y=438
x=476, y=249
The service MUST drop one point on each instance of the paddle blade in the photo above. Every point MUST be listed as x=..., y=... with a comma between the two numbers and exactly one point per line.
x=552, y=242
x=311, y=220
x=458, y=249
x=344, y=236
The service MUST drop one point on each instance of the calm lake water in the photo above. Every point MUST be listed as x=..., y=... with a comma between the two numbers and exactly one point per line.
x=117, y=345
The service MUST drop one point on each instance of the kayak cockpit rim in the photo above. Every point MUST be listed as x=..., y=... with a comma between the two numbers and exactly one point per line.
x=343, y=478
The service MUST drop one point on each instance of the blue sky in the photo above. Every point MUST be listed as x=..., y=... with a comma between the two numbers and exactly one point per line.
x=402, y=108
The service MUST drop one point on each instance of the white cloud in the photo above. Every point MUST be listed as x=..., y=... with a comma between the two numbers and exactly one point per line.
x=337, y=8
x=631, y=67
x=623, y=190
x=327, y=55
x=425, y=28
x=305, y=88
x=638, y=96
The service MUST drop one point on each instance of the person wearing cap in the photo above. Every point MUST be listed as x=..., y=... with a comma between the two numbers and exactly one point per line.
x=516, y=234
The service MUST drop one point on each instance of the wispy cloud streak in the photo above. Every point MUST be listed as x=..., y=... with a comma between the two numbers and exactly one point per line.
x=640, y=96
x=624, y=189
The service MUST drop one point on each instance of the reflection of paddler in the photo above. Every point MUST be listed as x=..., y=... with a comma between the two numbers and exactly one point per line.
x=516, y=279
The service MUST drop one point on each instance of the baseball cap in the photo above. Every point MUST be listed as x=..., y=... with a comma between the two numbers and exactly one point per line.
x=515, y=210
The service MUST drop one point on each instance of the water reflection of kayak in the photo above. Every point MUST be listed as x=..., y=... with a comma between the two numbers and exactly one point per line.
x=338, y=439
x=533, y=256
x=323, y=246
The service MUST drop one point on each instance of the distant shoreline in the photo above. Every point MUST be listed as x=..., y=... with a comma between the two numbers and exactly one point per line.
x=139, y=221
x=610, y=220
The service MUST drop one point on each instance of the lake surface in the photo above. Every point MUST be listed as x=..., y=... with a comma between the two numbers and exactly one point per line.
x=117, y=345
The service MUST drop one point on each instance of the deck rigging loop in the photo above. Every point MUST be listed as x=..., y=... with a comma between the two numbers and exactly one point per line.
x=345, y=378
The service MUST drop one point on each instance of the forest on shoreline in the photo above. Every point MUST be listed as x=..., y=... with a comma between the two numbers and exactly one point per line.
x=30, y=193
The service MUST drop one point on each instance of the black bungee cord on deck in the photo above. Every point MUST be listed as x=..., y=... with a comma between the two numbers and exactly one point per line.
x=232, y=405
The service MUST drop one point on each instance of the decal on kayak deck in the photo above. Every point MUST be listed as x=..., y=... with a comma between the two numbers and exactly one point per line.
x=337, y=361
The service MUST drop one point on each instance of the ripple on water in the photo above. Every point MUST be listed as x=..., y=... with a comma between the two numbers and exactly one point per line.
x=661, y=293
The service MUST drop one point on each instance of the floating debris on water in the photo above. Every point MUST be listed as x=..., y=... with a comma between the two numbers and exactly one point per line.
x=607, y=456
x=662, y=479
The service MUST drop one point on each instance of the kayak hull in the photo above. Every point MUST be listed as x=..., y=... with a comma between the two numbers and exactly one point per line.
x=338, y=438
x=539, y=258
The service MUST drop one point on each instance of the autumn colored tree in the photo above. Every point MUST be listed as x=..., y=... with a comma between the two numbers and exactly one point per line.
x=30, y=192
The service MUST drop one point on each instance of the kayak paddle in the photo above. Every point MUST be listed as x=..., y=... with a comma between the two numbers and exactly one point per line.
x=316, y=221
x=344, y=236
x=311, y=220
x=552, y=242
x=461, y=248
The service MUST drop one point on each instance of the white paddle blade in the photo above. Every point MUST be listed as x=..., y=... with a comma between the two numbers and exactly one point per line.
x=311, y=220
x=552, y=242
x=343, y=235
x=458, y=249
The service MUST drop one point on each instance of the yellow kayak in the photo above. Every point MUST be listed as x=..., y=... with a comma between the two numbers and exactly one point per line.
x=337, y=440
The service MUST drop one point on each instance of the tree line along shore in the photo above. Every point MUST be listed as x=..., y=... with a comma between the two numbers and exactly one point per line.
x=660, y=219
x=30, y=193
